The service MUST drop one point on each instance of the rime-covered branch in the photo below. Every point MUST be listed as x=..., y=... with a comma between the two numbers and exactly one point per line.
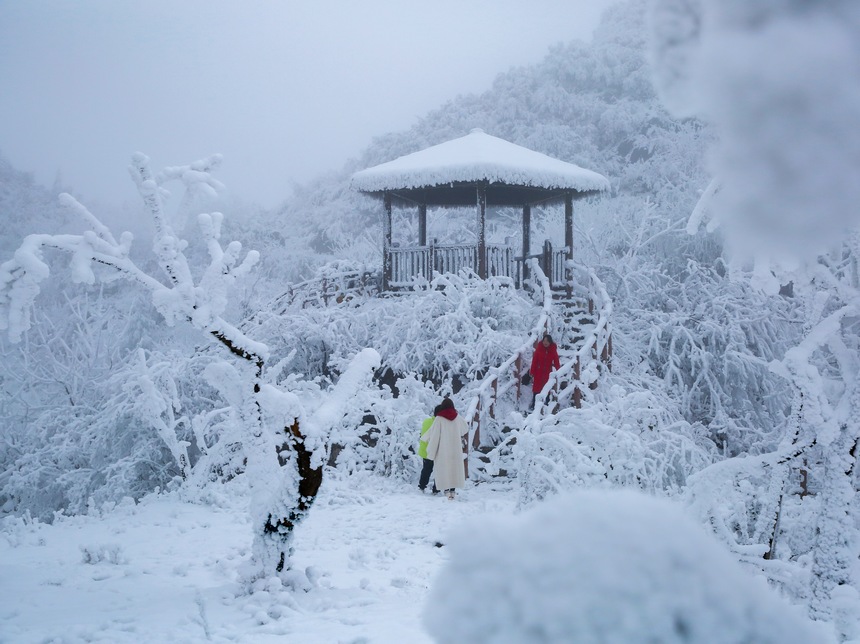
x=199, y=303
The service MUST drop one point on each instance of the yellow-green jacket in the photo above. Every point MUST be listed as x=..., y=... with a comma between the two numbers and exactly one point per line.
x=422, y=444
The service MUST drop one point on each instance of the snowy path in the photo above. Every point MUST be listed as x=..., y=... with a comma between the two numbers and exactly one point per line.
x=166, y=571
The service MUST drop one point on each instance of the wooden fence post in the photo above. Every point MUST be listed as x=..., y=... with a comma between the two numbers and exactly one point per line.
x=518, y=373
x=476, y=419
x=609, y=355
x=547, y=261
x=495, y=396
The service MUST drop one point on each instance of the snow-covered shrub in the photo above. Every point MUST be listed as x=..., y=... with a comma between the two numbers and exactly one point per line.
x=380, y=433
x=109, y=553
x=630, y=439
x=762, y=518
x=454, y=326
x=85, y=458
x=711, y=340
x=107, y=420
x=618, y=567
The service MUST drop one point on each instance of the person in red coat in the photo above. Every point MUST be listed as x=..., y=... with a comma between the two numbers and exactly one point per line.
x=544, y=359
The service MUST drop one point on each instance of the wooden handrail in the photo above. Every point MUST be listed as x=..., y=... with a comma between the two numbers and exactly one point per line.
x=596, y=346
x=492, y=385
x=421, y=262
x=326, y=289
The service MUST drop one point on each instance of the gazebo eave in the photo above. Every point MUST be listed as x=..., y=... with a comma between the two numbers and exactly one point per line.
x=463, y=194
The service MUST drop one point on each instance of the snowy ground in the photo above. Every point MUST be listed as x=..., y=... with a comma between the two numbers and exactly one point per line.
x=166, y=570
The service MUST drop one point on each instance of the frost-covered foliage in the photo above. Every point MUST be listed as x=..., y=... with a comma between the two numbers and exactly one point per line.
x=779, y=81
x=733, y=497
x=711, y=340
x=81, y=417
x=627, y=436
x=452, y=326
x=283, y=444
x=57, y=378
x=379, y=433
x=124, y=437
x=25, y=207
x=63, y=382
x=600, y=566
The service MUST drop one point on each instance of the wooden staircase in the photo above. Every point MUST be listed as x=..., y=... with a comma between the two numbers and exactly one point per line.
x=578, y=320
x=573, y=321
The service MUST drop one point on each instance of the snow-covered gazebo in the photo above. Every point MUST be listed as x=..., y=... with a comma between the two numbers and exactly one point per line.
x=473, y=170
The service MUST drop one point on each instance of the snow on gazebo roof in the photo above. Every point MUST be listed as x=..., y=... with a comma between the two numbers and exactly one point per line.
x=477, y=157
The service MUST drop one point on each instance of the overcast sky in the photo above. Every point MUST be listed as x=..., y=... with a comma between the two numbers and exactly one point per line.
x=284, y=90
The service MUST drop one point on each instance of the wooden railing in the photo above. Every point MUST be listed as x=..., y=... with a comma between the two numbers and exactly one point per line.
x=408, y=264
x=565, y=384
x=453, y=259
x=326, y=289
x=500, y=261
x=419, y=263
x=508, y=375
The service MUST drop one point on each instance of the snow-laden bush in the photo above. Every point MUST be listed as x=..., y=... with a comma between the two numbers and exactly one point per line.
x=711, y=340
x=616, y=567
x=380, y=433
x=762, y=518
x=104, y=553
x=128, y=436
x=631, y=438
x=453, y=326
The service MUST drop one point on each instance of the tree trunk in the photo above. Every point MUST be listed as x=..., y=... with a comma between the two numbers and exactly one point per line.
x=310, y=480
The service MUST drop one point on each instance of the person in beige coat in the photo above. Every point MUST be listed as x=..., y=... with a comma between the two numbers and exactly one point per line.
x=445, y=448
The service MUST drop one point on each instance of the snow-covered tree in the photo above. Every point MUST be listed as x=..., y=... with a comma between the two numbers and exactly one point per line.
x=283, y=494
x=779, y=81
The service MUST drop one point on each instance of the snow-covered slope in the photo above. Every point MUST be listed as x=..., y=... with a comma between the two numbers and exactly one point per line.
x=167, y=570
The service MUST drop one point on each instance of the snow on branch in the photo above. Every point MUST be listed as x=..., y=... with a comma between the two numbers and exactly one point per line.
x=200, y=303
x=353, y=380
x=20, y=277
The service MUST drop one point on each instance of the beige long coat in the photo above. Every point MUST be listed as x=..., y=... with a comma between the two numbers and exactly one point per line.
x=445, y=449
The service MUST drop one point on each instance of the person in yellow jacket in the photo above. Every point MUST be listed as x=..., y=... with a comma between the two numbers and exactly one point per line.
x=427, y=464
x=445, y=448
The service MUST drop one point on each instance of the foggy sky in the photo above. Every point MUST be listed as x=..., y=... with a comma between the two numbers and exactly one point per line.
x=284, y=90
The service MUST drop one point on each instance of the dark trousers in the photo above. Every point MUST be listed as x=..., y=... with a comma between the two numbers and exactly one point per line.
x=426, y=471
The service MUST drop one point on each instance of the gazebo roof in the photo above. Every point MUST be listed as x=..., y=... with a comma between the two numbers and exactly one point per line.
x=447, y=174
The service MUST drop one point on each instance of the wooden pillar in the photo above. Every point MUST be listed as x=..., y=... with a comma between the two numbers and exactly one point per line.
x=546, y=261
x=568, y=224
x=568, y=237
x=482, y=231
x=386, y=241
x=527, y=238
x=518, y=367
x=422, y=224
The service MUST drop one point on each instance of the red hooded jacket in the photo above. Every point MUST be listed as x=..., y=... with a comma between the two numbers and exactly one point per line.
x=544, y=359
